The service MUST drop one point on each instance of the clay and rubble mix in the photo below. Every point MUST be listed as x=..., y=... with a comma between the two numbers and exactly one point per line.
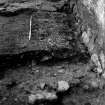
x=49, y=47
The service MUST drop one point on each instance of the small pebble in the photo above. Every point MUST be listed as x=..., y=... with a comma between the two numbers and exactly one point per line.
x=103, y=75
x=50, y=95
x=94, y=84
x=42, y=85
x=85, y=37
x=99, y=70
x=61, y=71
x=102, y=58
x=42, y=95
x=62, y=85
x=33, y=98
